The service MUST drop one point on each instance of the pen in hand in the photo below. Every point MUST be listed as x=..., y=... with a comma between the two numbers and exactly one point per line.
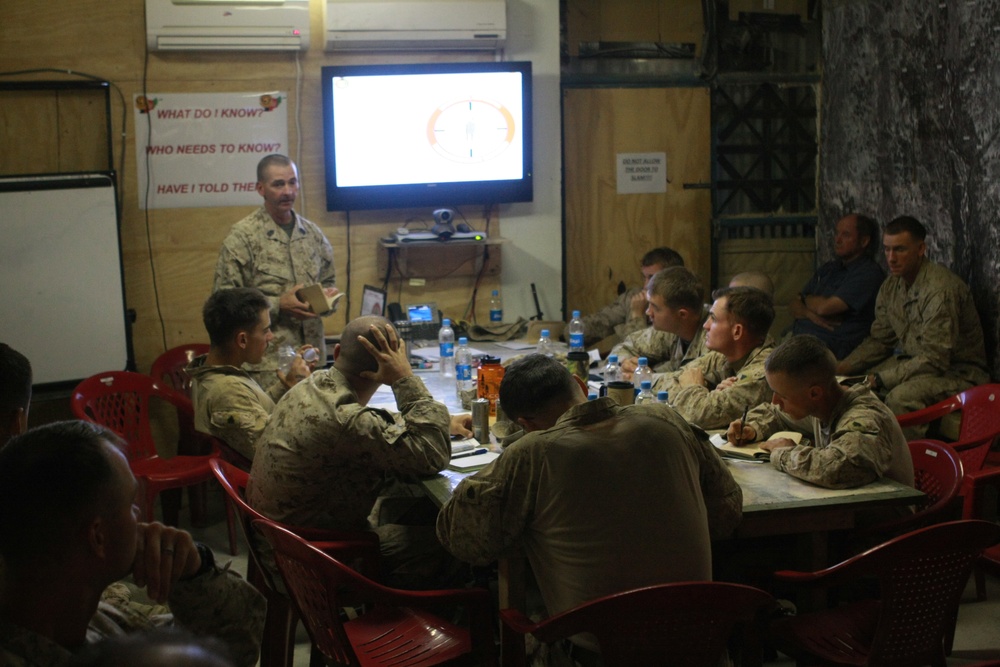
x=743, y=424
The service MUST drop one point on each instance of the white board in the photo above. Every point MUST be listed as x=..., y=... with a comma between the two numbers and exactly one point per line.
x=61, y=289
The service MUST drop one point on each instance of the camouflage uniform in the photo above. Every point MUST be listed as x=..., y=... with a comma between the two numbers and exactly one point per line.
x=615, y=319
x=218, y=603
x=323, y=456
x=324, y=459
x=861, y=444
x=928, y=339
x=712, y=408
x=229, y=405
x=665, y=351
x=608, y=499
x=258, y=253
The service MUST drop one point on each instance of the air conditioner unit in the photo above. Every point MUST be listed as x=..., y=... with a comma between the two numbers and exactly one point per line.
x=227, y=25
x=423, y=25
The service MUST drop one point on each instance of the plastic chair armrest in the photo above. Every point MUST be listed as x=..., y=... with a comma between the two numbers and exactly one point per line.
x=516, y=620
x=928, y=414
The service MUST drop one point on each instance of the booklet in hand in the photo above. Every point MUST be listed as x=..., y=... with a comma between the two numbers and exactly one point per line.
x=317, y=299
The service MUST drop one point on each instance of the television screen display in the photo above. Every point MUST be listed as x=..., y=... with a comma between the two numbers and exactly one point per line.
x=427, y=135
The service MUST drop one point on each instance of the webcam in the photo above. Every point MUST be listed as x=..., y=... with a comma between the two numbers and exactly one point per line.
x=443, y=227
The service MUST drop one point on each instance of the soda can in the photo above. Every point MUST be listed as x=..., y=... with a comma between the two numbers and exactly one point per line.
x=481, y=420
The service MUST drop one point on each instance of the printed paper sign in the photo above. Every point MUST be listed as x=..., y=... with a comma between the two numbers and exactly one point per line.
x=642, y=172
x=202, y=149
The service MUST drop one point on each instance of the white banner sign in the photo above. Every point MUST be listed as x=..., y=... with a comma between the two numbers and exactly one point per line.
x=202, y=149
x=642, y=172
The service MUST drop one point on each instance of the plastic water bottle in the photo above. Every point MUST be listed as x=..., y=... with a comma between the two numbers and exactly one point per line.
x=576, y=333
x=643, y=372
x=446, y=349
x=463, y=367
x=544, y=344
x=286, y=355
x=661, y=397
x=496, y=307
x=612, y=371
x=645, y=393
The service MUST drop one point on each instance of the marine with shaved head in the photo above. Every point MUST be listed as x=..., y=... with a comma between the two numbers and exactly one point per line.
x=326, y=457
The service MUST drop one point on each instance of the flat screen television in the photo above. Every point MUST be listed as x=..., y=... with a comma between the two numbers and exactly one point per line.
x=436, y=134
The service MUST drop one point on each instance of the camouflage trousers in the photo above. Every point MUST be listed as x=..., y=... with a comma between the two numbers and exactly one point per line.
x=918, y=393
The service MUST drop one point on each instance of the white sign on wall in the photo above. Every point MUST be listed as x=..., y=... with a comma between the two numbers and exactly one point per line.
x=202, y=149
x=642, y=172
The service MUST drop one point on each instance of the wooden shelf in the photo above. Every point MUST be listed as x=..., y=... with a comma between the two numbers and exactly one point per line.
x=433, y=260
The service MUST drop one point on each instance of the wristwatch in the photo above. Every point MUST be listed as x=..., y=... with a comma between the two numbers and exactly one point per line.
x=207, y=561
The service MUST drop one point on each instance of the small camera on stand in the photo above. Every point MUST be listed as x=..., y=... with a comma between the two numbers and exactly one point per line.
x=443, y=227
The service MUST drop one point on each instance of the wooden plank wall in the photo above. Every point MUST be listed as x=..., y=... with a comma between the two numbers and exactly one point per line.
x=107, y=40
x=607, y=232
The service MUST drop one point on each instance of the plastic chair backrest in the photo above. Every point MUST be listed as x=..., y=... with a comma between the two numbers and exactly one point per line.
x=922, y=576
x=120, y=401
x=980, y=425
x=938, y=472
x=980, y=411
x=320, y=585
x=234, y=482
x=691, y=622
x=171, y=365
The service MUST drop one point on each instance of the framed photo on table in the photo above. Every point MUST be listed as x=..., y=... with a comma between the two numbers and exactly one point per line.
x=372, y=301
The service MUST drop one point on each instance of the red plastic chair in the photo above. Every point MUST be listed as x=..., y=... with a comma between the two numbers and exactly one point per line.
x=921, y=577
x=278, y=645
x=169, y=366
x=980, y=408
x=395, y=628
x=978, y=436
x=120, y=401
x=938, y=472
x=169, y=371
x=687, y=623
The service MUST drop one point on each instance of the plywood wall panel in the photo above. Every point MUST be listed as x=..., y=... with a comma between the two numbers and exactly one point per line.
x=607, y=232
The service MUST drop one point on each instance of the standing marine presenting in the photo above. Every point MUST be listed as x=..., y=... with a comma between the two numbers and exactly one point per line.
x=278, y=251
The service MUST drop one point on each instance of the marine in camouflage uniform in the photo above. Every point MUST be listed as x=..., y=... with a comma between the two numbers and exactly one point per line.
x=861, y=443
x=710, y=407
x=258, y=253
x=926, y=342
x=230, y=405
x=549, y=494
x=324, y=459
x=218, y=604
x=664, y=351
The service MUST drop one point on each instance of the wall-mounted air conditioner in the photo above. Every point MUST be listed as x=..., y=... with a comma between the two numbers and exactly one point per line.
x=381, y=25
x=227, y=25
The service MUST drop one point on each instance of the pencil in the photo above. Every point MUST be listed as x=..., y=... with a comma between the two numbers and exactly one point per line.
x=743, y=423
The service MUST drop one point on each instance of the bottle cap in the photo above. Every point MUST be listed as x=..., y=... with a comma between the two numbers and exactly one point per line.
x=462, y=340
x=612, y=358
x=446, y=322
x=643, y=361
x=495, y=292
x=489, y=360
x=545, y=332
x=645, y=384
x=576, y=314
x=662, y=396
